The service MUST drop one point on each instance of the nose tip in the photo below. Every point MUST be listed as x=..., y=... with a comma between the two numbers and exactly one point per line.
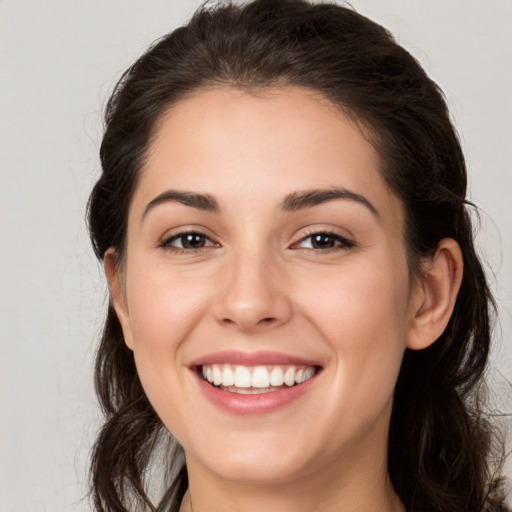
x=253, y=297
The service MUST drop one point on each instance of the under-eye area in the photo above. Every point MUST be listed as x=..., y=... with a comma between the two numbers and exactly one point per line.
x=256, y=379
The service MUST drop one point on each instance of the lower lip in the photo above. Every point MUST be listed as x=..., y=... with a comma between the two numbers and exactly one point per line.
x=261, y=403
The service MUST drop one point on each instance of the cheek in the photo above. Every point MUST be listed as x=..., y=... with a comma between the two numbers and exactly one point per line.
x=360, y=299
x=362, y=314
x=164, y=306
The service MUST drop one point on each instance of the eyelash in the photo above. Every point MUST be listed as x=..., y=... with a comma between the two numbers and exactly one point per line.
x=341, y=243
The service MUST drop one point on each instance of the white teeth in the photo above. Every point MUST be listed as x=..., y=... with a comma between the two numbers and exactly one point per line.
x=268, y=378
x=228, y=377
x=289, y=376
x=217, y=375
x=308, y=373
x=242, y=377
x=260, y=377
x=277, y=376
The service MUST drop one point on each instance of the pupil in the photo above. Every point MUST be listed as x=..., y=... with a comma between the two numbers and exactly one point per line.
x=322, y=241
x=192, y=241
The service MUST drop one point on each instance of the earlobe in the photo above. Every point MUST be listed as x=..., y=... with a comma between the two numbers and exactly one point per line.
x=113, y=273
x=439, y=285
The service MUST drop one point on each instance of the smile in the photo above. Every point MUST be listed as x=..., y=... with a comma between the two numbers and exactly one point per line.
x=256, y=379
x=254, y=383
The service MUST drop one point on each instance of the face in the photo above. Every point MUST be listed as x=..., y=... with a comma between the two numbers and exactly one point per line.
x=265, y=252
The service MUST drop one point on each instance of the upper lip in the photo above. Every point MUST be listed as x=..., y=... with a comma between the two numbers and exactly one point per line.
x=252, y=359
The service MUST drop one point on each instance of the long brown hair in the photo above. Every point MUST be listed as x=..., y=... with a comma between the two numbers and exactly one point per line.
x=439, y=441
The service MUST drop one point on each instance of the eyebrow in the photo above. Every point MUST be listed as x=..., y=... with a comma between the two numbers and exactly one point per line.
x=306, y=199
x=293, y=202
x=204, y=202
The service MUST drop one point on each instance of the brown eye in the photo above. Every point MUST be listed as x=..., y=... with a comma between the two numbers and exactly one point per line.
x=192, y=241
x=322, y=241
x=325, y=241
x=188, y=241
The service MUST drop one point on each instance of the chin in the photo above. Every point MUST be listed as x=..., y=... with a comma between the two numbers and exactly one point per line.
x=259, y=465
x=259, y=472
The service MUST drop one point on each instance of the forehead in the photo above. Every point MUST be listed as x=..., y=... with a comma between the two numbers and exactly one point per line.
x=248, y=146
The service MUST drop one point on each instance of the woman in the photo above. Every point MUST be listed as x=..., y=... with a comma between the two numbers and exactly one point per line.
x=295, y=294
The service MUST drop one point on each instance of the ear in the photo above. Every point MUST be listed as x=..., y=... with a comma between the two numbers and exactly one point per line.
x=114, y=275
x=435, y=295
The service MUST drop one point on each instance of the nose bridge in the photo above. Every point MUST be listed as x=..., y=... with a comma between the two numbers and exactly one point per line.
x=253, y=295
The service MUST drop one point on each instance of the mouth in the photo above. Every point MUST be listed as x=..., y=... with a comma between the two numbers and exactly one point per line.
x=254, y=380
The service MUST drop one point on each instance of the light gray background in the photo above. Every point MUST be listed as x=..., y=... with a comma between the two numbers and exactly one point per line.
x=58, y=62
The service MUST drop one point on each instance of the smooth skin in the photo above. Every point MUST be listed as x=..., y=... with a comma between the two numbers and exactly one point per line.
x=254, y=276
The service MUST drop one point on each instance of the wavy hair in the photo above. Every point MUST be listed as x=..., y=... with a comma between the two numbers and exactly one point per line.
x=439, y=440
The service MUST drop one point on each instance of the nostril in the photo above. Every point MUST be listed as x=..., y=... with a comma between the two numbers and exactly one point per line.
x=263, y=320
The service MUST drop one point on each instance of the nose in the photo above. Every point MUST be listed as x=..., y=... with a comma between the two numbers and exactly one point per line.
x=253, y=295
